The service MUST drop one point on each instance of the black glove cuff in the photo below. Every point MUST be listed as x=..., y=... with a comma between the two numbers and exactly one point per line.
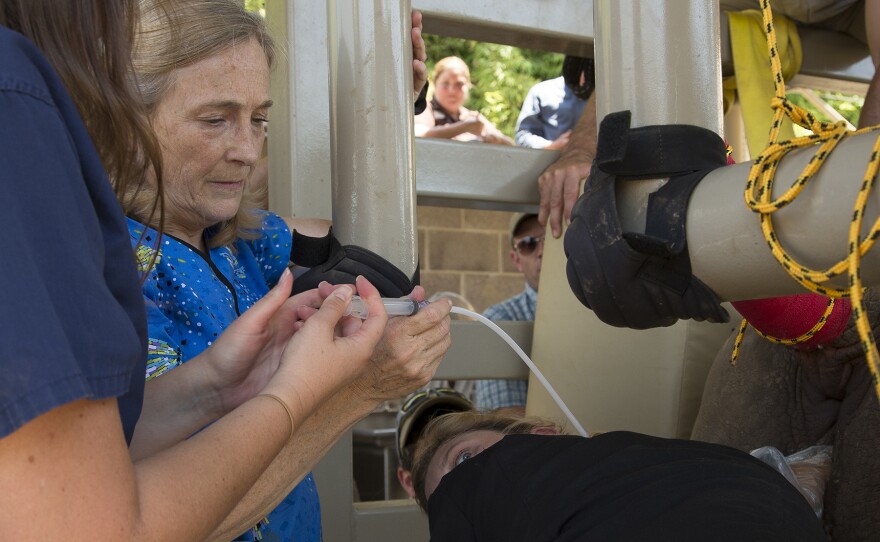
x=311, y=251
x=345, y=263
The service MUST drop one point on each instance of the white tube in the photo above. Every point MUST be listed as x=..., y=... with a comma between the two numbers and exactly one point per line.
x=556, y=398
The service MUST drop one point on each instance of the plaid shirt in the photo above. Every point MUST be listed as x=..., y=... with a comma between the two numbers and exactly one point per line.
x=492, y=394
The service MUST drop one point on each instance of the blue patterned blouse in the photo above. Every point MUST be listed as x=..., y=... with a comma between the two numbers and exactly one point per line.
x=191, y=298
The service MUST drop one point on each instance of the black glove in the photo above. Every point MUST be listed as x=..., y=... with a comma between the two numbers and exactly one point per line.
x=338, y=264
x=637, y=280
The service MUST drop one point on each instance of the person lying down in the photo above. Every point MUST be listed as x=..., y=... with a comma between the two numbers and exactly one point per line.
x=488, y=477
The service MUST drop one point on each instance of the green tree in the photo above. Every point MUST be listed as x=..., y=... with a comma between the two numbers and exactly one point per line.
x=256, y=5
x=502, y=75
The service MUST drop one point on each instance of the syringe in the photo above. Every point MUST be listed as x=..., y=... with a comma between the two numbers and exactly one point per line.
x=393, y=306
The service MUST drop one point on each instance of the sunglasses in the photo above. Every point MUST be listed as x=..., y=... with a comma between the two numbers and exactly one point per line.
x=527, y=245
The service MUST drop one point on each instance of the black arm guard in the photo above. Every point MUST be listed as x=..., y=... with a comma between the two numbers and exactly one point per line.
x=338, y=264
x=638, y=280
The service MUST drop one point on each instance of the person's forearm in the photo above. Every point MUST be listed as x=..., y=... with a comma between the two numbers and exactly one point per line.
x=582, y=143
x=79, y=468
x=529, y=128
x=209, y=471
x=176, y=405
x=311, y=441
x=529, y=140
x=447, y=131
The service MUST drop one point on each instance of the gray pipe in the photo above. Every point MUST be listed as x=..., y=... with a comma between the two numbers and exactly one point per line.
x=372, y=128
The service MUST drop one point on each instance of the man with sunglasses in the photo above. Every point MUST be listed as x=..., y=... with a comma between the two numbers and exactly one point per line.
x=527, y=249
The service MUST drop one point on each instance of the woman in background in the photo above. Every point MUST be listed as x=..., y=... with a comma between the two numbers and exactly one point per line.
x=446, y=117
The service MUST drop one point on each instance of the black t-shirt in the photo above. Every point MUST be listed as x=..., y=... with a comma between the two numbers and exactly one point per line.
x=618, y=487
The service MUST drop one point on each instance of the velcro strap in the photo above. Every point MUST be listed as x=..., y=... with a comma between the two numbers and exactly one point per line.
x=653, y=152
x=311, y=251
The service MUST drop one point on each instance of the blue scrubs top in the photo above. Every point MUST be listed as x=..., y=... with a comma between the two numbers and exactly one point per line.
x=72, y=322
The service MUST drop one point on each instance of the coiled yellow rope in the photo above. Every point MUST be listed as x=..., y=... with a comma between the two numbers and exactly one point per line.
x=758, y=192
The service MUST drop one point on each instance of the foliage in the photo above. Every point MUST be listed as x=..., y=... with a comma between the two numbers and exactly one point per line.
x=848, y=105
x=501, y=75
x=256, y=5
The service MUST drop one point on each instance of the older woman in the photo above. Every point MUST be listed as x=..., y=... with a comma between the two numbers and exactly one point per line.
x=446, y=117
x=203, y=68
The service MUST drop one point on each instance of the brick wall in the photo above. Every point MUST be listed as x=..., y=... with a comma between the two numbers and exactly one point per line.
x=466, y=251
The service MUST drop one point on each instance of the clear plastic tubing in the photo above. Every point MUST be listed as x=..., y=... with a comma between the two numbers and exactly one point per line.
x=407, y=307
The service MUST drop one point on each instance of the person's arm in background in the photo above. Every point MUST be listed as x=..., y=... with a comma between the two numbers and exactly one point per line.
x=426, y=127
x=530, y=131
x=560, y=183
x=491, y=134
x=530, y=127
x=870, y=114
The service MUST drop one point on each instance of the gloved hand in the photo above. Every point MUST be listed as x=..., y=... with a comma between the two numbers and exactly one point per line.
x=642, y=280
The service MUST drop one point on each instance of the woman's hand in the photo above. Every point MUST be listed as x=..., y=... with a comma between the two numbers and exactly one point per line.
x=409, y=353
x=247, y=353
x=329, y=350
x=496, y=137
x=472, y=123
x=489, y=133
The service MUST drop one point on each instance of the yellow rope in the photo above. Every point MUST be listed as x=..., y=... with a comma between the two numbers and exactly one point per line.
x=759, y=188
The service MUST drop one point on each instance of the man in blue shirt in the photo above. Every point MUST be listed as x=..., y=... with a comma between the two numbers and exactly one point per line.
x=552, y=108
x=527, y=249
